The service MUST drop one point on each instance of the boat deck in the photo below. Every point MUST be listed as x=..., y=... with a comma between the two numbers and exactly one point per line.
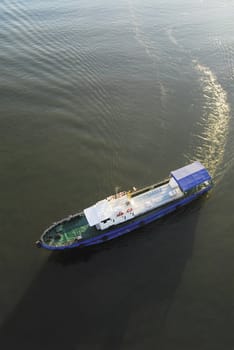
x=155, y=198
x=68, y=231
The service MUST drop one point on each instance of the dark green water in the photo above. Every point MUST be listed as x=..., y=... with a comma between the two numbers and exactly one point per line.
x=103, y=94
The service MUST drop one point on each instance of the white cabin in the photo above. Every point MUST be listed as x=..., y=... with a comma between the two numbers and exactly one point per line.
x=124, y=206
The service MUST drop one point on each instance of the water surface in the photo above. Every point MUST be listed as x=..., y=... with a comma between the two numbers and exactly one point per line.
x=100, y=95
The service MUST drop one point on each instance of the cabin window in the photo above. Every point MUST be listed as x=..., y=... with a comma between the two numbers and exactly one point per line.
x=105, y=221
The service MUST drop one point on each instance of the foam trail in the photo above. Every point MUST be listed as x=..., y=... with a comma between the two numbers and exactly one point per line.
x=149, y=48
x=138, y=32
x=215, y=121
x=171, y=37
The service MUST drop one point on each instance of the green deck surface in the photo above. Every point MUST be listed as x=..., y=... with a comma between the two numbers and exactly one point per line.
x=67, y=232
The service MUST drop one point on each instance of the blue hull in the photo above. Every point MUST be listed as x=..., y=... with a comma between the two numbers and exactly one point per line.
x=130, y=226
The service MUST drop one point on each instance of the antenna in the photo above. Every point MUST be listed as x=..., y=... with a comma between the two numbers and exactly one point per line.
x=117, y=188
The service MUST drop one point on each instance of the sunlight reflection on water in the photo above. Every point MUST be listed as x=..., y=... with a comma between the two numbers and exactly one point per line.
x=211, y=142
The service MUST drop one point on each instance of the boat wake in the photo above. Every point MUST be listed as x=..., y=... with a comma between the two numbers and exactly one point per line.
x=211, y=142
x=171, y=37
x=149, y=48
x=139, y=34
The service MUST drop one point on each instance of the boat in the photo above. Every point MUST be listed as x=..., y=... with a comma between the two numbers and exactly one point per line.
x=126, y=211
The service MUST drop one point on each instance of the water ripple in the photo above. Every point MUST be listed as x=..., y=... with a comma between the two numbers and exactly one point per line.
x=54, y=61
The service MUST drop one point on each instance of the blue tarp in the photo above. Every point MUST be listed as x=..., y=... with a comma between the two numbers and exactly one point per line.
x=190, y=176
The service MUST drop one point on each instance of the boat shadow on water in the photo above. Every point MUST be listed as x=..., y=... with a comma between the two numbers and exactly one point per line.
x=117, y=295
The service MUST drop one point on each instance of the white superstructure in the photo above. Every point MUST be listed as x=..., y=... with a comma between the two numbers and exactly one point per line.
x=125, y=206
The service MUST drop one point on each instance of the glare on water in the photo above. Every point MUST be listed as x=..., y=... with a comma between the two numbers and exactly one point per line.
x=211, y=142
